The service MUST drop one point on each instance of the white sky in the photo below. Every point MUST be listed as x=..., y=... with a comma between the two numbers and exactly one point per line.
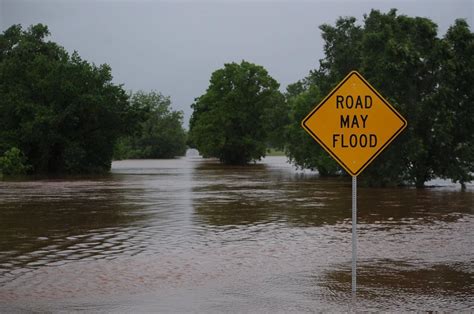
x=174, y=46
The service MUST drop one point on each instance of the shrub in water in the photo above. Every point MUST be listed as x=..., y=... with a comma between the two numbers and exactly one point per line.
x=13, y=162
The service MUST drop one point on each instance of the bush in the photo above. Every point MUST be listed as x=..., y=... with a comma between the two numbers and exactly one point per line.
x=13, y=162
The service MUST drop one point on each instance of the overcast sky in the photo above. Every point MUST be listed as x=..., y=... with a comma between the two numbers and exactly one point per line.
x=174, y=46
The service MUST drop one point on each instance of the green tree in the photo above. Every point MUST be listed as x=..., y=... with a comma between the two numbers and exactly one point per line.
x=341, y=56
x=160, y=134
x=423, y=76
x=239, y=116
x=399, y=58
x=453, y=124
x=62, y=112
x=342, y=49
x=301, y=148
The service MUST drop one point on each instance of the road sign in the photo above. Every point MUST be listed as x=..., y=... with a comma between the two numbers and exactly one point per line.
x=354, y=123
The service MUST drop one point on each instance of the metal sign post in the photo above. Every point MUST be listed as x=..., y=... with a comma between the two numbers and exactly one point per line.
x=354, y=232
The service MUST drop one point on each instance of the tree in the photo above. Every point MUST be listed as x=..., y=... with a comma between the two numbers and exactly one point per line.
x=454, y=122
x=63, y=113
x=341, y=56
x=424, y=77
x=236, y=119
x=300, y=148
x=399, y=59
x=160, y=134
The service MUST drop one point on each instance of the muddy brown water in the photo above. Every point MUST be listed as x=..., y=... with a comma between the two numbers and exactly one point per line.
x=193, y=235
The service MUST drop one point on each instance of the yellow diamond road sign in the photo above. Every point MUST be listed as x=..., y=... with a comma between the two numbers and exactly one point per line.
x=354, y=123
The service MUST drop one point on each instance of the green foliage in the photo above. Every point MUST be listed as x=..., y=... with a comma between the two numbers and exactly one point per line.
x=301, y=148
x=239, y=116
x=13, y=162
x=399, y=59
x=426, y=78
x=454, y=122
x=160, y=134
x=61, y=111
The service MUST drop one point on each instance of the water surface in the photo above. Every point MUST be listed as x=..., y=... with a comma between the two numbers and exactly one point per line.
x=193, y=235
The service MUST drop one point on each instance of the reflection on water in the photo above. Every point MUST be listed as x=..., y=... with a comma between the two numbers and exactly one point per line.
x=430, y=286
x=52, y=222
x=191, y=234
x=260, y=194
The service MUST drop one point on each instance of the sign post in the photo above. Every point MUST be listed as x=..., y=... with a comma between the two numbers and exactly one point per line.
x=354, y=124
x=354, y=233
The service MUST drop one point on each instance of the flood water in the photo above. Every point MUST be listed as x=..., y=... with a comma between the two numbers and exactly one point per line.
x=193, y=235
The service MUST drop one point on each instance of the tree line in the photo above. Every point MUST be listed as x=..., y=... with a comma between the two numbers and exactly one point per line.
x=62, y=114
x=59, y=113
x=427, y=78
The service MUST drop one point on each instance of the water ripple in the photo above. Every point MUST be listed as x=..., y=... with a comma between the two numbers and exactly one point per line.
x=258, y=237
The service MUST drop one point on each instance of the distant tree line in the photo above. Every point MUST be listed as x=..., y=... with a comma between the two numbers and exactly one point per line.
x=428, y=79
x=61, y=114
x=160, y=133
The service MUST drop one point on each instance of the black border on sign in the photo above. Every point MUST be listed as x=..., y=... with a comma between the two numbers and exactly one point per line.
x=303, y=124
